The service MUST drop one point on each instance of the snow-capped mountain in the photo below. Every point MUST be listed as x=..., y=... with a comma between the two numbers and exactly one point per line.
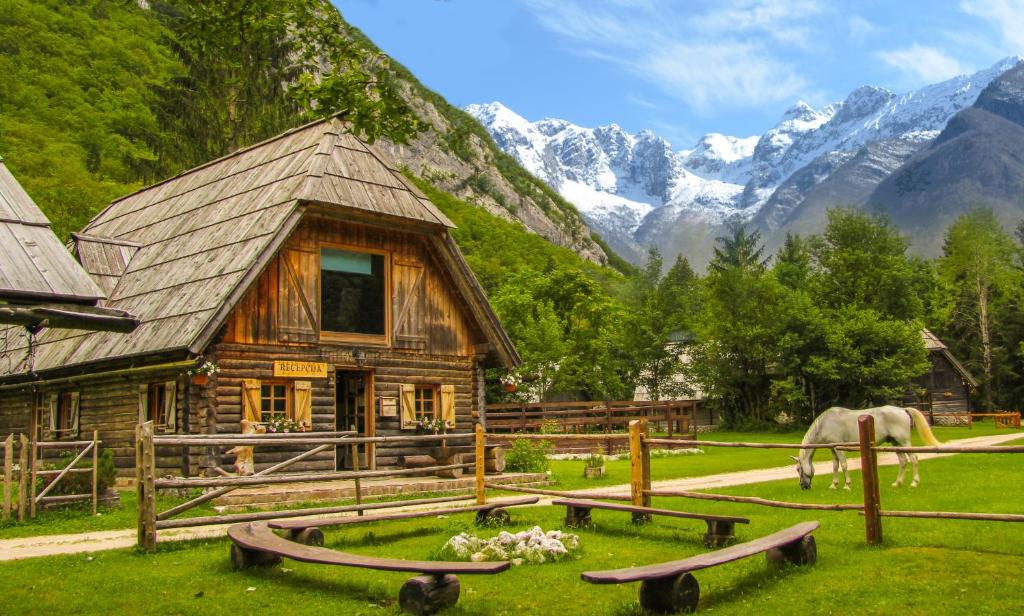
x=636, y=190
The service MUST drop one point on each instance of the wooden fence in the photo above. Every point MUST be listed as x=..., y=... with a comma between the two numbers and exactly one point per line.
x=671, y=416
x=1003, y=419
x=30, y=469
x=150, y=521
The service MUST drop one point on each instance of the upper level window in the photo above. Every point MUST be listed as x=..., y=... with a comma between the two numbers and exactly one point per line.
x=352, y=292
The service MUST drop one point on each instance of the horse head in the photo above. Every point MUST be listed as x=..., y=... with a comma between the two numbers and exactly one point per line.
x=805, y=470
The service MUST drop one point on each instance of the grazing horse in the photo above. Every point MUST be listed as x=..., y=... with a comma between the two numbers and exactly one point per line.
x=839, y=425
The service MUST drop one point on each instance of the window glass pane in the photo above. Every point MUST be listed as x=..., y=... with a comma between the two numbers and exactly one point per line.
x=264, y=390
x=352, y=292
x=279, y=405
x=278, y=391
x=265, y=405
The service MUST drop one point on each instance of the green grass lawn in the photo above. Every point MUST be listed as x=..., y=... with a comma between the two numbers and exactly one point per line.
x=924, y=567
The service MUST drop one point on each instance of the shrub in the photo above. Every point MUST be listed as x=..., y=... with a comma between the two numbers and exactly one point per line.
x=80, y=483
x=528, y=456
x=596, y=460
x=550, y=426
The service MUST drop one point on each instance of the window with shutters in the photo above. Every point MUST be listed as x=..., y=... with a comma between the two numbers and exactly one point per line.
x=354, y=298
x=63, y=423
x=275, y=400
x=156, y=404
x=426, y=401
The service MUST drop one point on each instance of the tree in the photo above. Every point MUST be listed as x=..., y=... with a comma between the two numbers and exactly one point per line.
x=739, y=248
x=977, y=265
x=861, y=260
x=793, y=262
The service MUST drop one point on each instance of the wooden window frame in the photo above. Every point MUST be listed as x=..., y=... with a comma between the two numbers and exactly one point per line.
x=349, y=337
x=435, y=400
x=289, y=399
x=63, y=426
x=156, y=396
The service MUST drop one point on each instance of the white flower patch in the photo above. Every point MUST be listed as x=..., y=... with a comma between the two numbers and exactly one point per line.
x=530, y=546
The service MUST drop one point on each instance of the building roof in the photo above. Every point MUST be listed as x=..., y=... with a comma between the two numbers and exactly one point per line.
x=34, y=266
x=934, y=345
x=181, y=253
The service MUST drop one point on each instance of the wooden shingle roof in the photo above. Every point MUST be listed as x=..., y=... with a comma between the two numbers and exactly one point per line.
x=933, y=345
x=33, y=263
x=200, y=239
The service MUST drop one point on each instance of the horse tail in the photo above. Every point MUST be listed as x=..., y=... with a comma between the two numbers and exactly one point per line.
x=922, y=427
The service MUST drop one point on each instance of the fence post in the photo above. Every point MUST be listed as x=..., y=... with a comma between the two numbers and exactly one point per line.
x=640, y=468
x=33, y=462
x=95, y=469
x=22, y=467
x=8, y=469
x=668, y=419
x=355, y=467
x=481, y=439
x=869, y=472
x=145, y=476
x=607, y=417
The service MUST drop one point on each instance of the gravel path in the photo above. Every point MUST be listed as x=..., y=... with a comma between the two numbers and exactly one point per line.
x=50, y=545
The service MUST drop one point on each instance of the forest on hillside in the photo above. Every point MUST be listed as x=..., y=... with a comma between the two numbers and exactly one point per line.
x=100, y=97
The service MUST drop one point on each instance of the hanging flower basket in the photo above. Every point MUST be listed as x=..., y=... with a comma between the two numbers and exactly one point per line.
x=510, y=387
x=201, y=374
x=200, y=379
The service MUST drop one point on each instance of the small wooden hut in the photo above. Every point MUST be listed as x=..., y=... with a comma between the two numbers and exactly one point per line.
x=315, y=284
x=948, y=385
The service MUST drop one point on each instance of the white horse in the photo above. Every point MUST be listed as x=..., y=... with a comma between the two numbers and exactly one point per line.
x=839, y=425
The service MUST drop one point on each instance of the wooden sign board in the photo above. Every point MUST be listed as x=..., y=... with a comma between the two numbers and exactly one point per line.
x=388, y=407
x=302, y=369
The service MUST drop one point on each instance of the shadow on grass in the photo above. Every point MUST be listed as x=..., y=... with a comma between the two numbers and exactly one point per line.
x=690, y=537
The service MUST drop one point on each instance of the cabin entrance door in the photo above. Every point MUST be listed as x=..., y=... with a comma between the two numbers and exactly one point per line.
x=354, y=410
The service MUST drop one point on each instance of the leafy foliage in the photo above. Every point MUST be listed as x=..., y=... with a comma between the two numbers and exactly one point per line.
x=528, y=456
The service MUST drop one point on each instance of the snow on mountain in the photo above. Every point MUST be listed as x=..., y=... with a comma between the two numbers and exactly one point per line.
x=632, y=187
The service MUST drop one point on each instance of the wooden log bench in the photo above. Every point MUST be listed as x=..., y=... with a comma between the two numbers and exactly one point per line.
x=308, y=531
x=667, y=588
x=437, y=587
x=721, y=528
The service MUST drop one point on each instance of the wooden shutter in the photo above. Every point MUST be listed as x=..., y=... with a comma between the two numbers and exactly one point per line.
x=448, y=404
x=304, y=404
x=143, y=404
x=52, y=422
x=76, y=398
x=251, y=401
x=408, y=406
x=298, y=300
x=171, y=404
x=408, y=316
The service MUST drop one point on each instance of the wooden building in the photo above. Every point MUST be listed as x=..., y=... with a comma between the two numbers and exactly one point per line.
x=948, y=385
x=321, y=283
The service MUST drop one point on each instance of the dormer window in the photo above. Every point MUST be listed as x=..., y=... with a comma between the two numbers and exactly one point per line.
x=353, y=292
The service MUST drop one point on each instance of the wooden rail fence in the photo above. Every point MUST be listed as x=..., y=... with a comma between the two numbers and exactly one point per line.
x=673, y=416
x=30, y=469
x=150, y=521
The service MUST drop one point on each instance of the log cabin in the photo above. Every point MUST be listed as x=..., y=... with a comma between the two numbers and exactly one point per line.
x=947, y=386
x=303, y=280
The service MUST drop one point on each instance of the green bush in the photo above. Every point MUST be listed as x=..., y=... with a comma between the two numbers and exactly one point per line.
x=528, y=456
x=80, y=483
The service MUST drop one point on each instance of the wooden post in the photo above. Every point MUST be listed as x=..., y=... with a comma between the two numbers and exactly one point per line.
x=22, y=468
x=645, y=463
x=869, y=473
x=145, y=475
x=33, y=461
x=668, y=419
x=522, y=416
x=355, y=467
x=481, y=439
x=636, y=466
x=607, y=417
x=8, y=470
x=95, y=469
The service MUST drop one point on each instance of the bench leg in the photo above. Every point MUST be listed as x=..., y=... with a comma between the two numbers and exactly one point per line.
x=800, y=552
x=668, y=595
x=428, y=594
x=577, y=517
x=242, y=558
x=720, y=534
x=641, y=518
x=492, y=517
x=307, y=536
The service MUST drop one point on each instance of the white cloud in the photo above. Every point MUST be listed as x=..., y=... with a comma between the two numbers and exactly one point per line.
x=729, y=54
x=925, y=64
x=1007, y=16
x=860, y=28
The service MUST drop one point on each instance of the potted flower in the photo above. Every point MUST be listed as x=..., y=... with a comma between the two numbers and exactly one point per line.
x=281, y=424
x=431, y=425
x=201, y=374
x=595, y=466
x=511, y=382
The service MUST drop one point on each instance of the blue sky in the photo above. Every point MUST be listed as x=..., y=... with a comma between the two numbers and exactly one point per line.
x=683, y=68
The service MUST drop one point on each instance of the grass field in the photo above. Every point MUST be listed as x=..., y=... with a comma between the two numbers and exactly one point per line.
x=924, y=567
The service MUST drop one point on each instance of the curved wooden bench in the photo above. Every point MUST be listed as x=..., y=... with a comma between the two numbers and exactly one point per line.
x=253, y=543
x=308, y=531
x=721, y=528
x=669, y=587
